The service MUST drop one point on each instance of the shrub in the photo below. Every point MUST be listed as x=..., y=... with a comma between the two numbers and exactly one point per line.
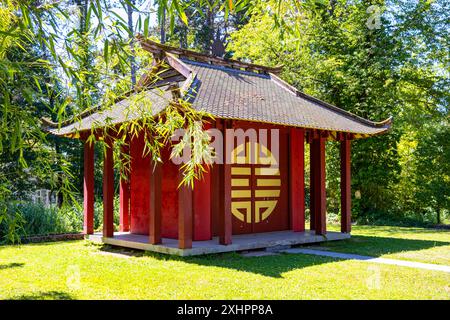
x=36, y=219
x=98, y=214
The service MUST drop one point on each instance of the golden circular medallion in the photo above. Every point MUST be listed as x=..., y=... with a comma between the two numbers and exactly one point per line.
x=255, y=182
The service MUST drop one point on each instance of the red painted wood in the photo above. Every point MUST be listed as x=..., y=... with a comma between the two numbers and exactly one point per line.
x=297, y=180
x=88, y=189
x=202, y=203
x=108, y=189
x=225, y=216
x=169, y=186
x=346, y=197
x=318, y=149
x=202, y=208
x=312, y=188
x=124, y=195
x=155, y=205
x=215, y=198
x=139, y=186
x=278, y=220
x=184, y=216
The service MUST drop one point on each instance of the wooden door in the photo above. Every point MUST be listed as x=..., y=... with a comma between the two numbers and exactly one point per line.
x=259, y=186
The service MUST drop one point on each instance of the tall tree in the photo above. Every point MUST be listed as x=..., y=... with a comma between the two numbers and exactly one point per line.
x=374, y=59
x=130, y=9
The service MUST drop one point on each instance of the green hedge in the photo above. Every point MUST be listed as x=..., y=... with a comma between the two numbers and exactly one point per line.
x=24, y=219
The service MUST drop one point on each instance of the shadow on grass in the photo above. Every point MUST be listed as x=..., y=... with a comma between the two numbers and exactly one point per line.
x=270, y=266
x=11, y=265
x=49, y=295
x=276, y=265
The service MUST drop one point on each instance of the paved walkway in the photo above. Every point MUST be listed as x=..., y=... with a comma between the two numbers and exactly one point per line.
x=403, y=263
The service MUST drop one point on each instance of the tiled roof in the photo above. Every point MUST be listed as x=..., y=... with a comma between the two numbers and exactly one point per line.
x=118, y=113
x=231, y=92
x=235, y=94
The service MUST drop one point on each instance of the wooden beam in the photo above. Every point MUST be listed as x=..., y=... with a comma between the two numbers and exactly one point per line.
x=88, y=188
x=178, y=65
x=164, y=82
x=155, y=204
x=184, y=216
x=158, y=48
x=318, y=155
x=108, y=189
x=297, y=179
x=346, y=198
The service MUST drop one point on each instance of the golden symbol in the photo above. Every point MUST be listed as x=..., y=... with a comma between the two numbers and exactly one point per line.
x=265, y=196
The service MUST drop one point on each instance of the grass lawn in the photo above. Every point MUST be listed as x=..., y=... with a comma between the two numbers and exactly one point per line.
x=80, y=270
x=414, y=244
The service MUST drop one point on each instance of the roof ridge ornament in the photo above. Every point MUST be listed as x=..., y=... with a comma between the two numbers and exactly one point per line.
x=157, y=48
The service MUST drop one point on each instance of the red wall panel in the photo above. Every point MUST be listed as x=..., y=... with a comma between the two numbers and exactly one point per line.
x=139, y=187
x=169, y=197
x=202, y=208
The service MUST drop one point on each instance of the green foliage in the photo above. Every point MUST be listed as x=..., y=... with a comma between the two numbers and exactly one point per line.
x=330, y=50
x=58, y=59
x=31, y=219
x=25, y=219
x=424, y=183
x=208, y=27
x=98, y=215
x=11, y=226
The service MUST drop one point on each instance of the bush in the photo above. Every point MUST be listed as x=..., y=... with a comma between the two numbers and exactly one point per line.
x=397, y=219
x=40, y=220
x=98, y=215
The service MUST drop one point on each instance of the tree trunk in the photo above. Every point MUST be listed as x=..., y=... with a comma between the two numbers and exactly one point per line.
x=163, y=25
x=210, y=26
x=438, y=215
x=131, y=30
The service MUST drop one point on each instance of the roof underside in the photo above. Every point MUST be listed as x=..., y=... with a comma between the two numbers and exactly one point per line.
x=230, y=93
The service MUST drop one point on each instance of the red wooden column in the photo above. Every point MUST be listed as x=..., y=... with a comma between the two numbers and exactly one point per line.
x=216, y=187
x=88, y=189
x=108, y=189
x=346, y=198
x=318, y=157
x=297, y=179
x=215, y=197
x=225, y=219
x=124, y=191
x=184, y=216
x=155, y=204
x=312, y=188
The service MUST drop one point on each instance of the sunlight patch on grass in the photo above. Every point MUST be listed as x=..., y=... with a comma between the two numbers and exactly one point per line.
x=414, y=244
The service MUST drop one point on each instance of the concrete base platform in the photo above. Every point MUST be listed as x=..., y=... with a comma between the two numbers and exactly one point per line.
x=240, y=242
